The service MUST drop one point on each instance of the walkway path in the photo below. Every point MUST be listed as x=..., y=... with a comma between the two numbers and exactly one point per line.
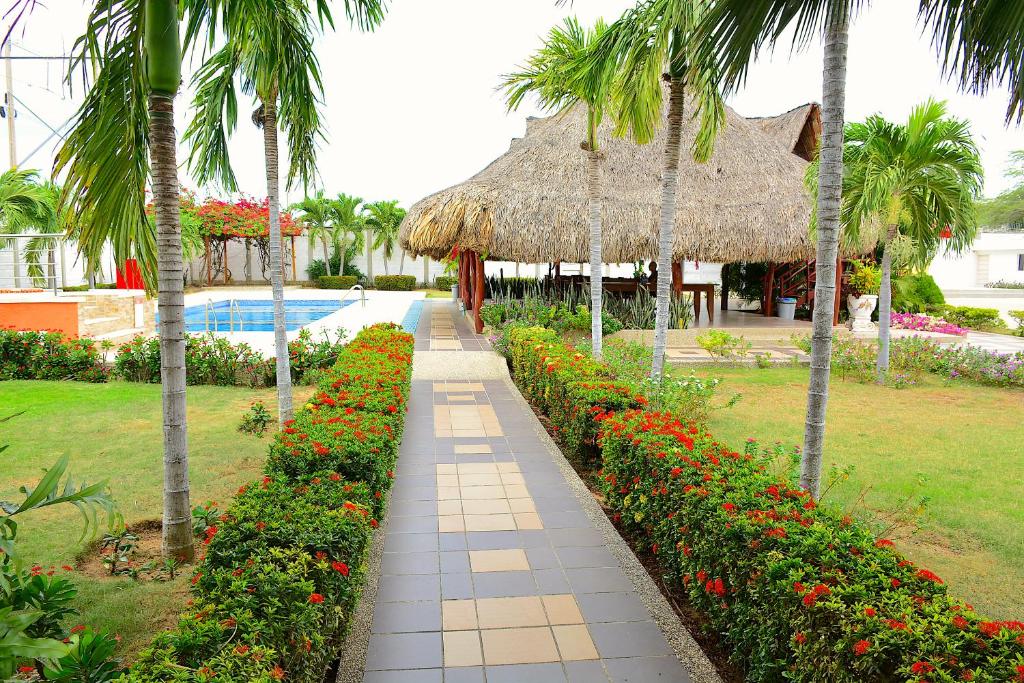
x=496, y=565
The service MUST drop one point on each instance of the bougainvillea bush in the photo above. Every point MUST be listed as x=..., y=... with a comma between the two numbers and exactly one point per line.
x=49, y=355
x=800, y=591
x=925, y=323
x=284, y=564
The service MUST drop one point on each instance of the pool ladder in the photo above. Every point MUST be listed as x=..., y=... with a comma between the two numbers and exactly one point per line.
x=233, y=307
x=362, y=294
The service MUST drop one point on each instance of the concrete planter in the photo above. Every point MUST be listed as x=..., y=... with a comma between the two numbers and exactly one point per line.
x=860, y=309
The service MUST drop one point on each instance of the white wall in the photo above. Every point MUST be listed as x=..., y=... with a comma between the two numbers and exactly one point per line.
x=992, y=257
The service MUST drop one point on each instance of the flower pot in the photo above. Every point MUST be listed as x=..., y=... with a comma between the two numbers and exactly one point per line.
x=860, y=309
x=455, y=292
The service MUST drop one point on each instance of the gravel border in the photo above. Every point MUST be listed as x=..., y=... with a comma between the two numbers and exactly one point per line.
x=690, y=654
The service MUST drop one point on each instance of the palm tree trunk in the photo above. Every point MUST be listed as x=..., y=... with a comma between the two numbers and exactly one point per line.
x=885, y=307
x=401, y=262
x=344, y=253
x=594, y=199
x=327, y=253
x=830, y=190
x=284, y=375
x=177, y=522
x=669, y=187
x=369, y=258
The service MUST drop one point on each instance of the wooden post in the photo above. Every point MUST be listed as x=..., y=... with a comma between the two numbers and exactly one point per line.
x=769, y=285
x=224, y=252
x=464, y=277
x=295, y=275
x=677, y=277
x=839, y=289
x=209, y=263
x=478, y=295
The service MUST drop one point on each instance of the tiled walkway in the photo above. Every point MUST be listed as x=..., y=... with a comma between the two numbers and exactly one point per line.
x=491, y=570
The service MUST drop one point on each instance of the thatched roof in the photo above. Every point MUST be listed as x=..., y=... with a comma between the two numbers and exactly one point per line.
x=799, y=129
x=747, y=203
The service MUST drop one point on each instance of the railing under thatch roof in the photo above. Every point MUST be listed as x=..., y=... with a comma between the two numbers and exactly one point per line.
x=747, y=203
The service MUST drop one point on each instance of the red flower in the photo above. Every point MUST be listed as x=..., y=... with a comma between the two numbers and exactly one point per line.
x=960, y=622
x=869, y=611
x=861, y=647
x=895, y=583
x=921, y=667
x=316, y=598
x=928, y=576
x=340, y=567
x=800, y=638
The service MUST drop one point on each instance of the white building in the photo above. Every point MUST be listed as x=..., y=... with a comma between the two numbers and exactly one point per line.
x=993, y=257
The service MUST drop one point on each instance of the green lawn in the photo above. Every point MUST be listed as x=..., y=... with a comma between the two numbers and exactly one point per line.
x=113, y=431
x=966, y=441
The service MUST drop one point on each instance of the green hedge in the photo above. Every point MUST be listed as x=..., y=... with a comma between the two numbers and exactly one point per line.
x=969, y=316
x=915, y=293
x=336, y=281
x=445, y=282
x=284, y=565
x=49, y=355
x=395, y=283
x=799, y=591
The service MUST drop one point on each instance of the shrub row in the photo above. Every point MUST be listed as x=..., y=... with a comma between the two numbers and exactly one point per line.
x=395, y=283
x=969, y=316
x=336, y=281
x=799, y=591
x=445, y=282
x=49, y=355
x=284, y=565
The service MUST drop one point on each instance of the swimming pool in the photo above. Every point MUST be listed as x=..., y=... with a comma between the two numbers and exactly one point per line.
x=257, y=315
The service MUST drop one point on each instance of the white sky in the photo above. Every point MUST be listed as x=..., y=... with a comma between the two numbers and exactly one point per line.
x=412, y=108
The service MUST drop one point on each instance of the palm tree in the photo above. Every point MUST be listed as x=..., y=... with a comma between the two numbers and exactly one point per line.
x=129, y=110
x=348, y=221
x=318, y=215
x=268, y=46
x=561, y=77
x=914, y=179
x=25, y=205
x=384, y=218
x=53, y=223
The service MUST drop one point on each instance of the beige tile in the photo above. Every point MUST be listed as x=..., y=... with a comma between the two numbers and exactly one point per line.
x=513, y=478
x=460, y=397
x=443, y=433
x=447, y=480
x=447, y=469
x=468, y=433
x=498, y=560
x=467, y=448
x=449, y=507
x=481, y=492
x=507, y=466
x=468, y=386
x=494, y=506
x=528, y=520
x=439, y=386
x=447, y=523
x=516, y=491
x=510, y=612
x=519, y=646
x=448, y=493
x=479, y=480
x=458, y=615
x=477, y=467
x=520, y=505
x=462, y=648
x=562, y=609
x=490, y=523
x=574, y=643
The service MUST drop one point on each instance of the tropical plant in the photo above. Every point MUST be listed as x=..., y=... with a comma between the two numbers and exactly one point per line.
x=865, y=278
x=383, y=219
x=349, y=222
x=920, y=180
x=658, y=40
x=268, y=48
x=25, y=205
x=133, y=48
x=318, y=216
x=558, y=74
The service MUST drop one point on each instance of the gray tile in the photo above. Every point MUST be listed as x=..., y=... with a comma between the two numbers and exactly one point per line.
x=412, y=508
x=551, y=581
x=586, y=557
x=567, y=538
x=452, y=541
x=456, y=586
x=585, y=672
x=598, y=607
x=492, y=540
x=409, y=480
x=464, y=674
x=598, y=580
x=406, y=617
x=410, y=543
x=647, y=670
x=424, y=524
x=542, y=558
x=406, y=676
x=409, y=563
x=455, y=562
x=404, y=651
x=504, y=584
x=408, y=588
x=565, y=520
x=518, y=673
x=415, y=493
x=635, y=639
x=534, y=538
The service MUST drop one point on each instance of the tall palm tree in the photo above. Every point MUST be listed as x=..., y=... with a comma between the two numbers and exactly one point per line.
x=133, y=47
x=915, y=179
x=384, y=218
x=25, y=205
x=267, y=47
x=655, y=41
x=318, y=216
x=349, y=221
x=53, y=222
x=561, y=77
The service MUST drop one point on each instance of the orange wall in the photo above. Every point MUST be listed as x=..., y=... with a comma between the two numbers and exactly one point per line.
x=36, y=315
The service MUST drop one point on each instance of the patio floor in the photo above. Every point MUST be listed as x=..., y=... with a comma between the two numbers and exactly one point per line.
x=496, y=566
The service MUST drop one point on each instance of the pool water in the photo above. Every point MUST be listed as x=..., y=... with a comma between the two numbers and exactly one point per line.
x=257, y=315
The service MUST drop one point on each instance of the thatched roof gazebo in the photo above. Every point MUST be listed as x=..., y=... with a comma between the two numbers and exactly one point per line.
x=747, y=203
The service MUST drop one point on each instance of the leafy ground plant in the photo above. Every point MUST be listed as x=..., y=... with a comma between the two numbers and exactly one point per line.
x=256, y=420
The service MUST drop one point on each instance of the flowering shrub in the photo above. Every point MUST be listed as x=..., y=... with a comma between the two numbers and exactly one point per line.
x=49, y=355
x=924, y=323
x=245, y=218
x=801, y=592
x=284, y=564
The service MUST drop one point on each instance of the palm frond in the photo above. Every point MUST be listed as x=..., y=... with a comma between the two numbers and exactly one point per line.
x=215, y=107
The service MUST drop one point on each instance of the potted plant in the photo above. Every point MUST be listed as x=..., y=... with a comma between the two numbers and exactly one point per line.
x=865, y=279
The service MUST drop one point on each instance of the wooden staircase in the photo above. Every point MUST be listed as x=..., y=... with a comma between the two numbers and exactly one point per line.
x=796, y=280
